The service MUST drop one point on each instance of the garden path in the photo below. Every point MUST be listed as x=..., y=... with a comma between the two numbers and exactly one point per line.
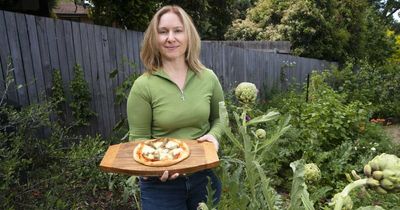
x=394, y=132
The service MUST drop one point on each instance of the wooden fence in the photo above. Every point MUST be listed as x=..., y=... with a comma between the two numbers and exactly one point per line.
x=38, y=45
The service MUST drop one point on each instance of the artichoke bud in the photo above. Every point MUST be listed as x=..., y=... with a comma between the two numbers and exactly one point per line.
x=394, y=179
x=355, y=175
x=380, y=190
x=374, y=166
x=367, y=170
x=261, y=134
x=396, y=188
x=246, y=92
x=386, y=161
x=386, y=184
x=388, y=173
x=378, y=175
x=311, y=172
x=372, y=182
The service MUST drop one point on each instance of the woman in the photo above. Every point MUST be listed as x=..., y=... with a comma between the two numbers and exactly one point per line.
x=176, y=97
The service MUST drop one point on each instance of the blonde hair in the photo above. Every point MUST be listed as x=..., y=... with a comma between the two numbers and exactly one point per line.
x=150, y=52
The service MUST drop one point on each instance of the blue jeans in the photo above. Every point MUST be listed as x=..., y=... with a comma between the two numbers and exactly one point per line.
x=183, y=193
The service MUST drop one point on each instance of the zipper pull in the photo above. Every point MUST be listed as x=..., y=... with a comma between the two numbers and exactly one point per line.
x=182, y=96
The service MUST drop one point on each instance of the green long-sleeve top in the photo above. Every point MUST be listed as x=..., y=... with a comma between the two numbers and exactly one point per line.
x=157, y=107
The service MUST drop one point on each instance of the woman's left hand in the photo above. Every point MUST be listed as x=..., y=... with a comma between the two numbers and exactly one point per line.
x=210, y=138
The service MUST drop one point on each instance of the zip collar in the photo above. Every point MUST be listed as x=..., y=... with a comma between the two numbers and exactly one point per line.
x=161, y=73
x=189, y=75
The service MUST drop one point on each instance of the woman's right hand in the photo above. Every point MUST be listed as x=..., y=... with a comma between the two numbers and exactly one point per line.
x=165, y=176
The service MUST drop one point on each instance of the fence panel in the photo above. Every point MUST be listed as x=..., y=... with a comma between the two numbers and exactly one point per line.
x=15, y=51
x=4, y=55
x=44, y=54
x=26, y=58
x=84, y=39
x=38, y=45
x=36, y=61
x=94, y=70
x=101, y=81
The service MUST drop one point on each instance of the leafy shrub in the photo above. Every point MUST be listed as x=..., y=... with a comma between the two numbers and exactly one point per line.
x=58, y=96
x=121, y=95
x=59, y=171
x=44, y=165
x=328, y=130
x=378, y=85
x=81, y=97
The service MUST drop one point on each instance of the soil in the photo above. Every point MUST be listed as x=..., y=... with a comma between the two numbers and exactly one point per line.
x=394, y=132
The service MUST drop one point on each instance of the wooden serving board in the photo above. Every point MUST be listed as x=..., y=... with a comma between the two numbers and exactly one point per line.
x=119, y=159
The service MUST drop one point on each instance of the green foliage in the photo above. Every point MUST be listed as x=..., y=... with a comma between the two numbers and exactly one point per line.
x=211, y=18
x=56, y=170
x=44, y=165
x=58, y=95
x=59, y=170
x=35, y=8
x=380, y=177
x=299, y=196
x=81, y=97
x=122, y=91
x=80, y=184
x=329, y=30
x=328, y=130
x=377, y=85
x=9, y=80
x=132, y=14
x=396, y=54
x=251, y=151
x=379, y=45
x=325, y=120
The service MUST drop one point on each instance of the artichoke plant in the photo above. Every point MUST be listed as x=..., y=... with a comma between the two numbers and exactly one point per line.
x=253, y=150
x=382, y=175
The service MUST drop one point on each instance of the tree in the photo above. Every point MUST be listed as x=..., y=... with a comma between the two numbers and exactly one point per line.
x=396, y=54
x=211, y=17
x=127, y=14
x=34, y=7
x=326, y=29
x=386, y=7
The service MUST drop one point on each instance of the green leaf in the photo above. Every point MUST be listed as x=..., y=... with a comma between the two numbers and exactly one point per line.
x=308, y=205
x=224, y=117
x=237, y=118
x=264, y=118
x=299, y=194
x=119, y=124
x=268, y=192
x=232, y=137
x=282, y=129
x=113, y=73
x=223, y=114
